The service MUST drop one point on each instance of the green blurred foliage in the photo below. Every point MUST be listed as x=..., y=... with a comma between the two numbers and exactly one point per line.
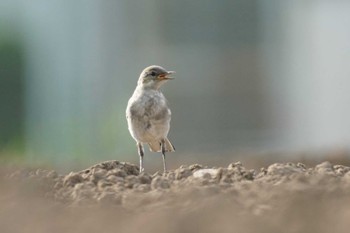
x=11, y=95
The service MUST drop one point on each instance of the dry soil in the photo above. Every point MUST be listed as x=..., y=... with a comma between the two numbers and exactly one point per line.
x=113, y=197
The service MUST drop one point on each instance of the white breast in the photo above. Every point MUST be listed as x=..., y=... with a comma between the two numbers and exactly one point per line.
x=148, y=116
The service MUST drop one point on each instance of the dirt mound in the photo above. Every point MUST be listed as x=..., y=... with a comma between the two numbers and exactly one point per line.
x=287, y=197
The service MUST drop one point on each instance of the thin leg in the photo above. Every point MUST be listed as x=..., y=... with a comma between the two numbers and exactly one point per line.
x=162, y=144
x=141, y=153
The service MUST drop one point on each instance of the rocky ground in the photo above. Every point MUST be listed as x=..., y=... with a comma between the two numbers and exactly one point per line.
x=113, y=197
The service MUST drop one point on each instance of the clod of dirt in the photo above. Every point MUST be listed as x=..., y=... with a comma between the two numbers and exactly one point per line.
x=116, y=182
x=207, y=173
x=284, y=197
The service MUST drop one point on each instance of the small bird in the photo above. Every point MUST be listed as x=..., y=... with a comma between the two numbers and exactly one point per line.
x=148, y=114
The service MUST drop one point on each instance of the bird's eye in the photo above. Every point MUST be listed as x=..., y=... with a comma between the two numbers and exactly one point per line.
x=153, y=73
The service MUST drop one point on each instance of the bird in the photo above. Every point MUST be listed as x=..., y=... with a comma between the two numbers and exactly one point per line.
x=148, y=114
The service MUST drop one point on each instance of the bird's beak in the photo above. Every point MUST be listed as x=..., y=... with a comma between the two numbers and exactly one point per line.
x=166, y=75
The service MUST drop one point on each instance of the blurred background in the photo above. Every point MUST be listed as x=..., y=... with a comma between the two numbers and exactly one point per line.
x=251, y=76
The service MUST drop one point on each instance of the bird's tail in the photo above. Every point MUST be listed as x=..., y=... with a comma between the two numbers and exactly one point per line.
x=155, y=146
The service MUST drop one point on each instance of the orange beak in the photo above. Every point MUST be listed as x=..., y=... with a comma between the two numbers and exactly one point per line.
x=165, y=76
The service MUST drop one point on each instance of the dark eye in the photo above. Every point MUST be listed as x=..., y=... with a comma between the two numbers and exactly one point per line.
x=153, y=73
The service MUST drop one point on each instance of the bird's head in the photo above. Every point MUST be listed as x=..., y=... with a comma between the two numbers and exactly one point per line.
x=154, y=77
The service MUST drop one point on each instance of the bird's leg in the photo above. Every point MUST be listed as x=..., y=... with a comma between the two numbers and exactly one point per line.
x=162, y=145
x=140, y=151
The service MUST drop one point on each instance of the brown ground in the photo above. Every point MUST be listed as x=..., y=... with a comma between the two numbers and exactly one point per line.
x=113, y=197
